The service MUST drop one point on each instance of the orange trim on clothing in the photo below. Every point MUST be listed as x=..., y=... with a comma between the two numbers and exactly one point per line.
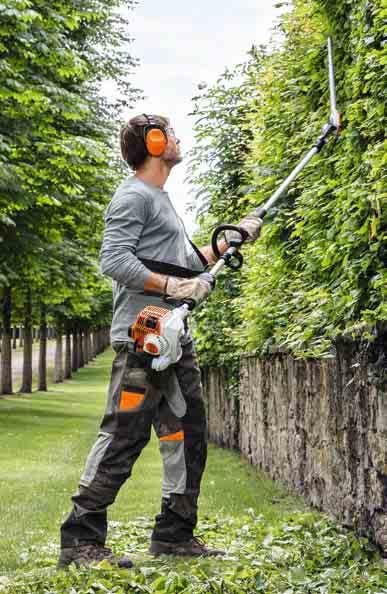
x=179, y=436
x=130, y=400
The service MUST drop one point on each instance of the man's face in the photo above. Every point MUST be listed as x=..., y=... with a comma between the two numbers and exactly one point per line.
x=172, y=154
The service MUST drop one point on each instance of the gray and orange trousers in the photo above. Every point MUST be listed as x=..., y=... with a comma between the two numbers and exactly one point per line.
x=139, y=398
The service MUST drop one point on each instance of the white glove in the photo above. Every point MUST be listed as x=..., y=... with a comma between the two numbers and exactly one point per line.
x=251, y=224
x=197, y=288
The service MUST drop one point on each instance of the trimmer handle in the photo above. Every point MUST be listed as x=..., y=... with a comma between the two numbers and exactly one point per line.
x=190, y=303
x=235, y=262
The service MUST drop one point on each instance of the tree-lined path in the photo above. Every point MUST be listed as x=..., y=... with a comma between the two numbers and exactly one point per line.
x=17, y=361
x=58, y=166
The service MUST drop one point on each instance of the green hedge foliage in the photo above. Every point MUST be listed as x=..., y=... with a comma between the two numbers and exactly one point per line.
x=319, y=270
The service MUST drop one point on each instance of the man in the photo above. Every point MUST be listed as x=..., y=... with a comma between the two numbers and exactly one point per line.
x=147, y=253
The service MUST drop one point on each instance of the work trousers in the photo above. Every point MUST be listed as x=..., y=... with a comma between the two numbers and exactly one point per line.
x=138, y=398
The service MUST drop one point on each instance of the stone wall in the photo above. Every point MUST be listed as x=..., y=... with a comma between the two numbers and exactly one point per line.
x=222, y=407
x=318, y=425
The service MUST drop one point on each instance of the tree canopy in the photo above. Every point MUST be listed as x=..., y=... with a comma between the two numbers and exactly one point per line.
x=58, y=164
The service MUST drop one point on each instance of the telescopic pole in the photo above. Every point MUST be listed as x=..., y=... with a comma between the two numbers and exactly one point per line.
x=334, y=116
x=332, y=126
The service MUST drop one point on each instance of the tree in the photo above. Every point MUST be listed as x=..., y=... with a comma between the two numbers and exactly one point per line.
x=57, y=164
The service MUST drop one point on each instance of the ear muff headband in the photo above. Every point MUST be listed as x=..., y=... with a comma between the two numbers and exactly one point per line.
x=155, y=138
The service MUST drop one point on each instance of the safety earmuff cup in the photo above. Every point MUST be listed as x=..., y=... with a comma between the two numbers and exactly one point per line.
x=155, y=138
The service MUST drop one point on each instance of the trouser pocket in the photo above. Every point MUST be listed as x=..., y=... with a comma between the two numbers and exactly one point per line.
x=138, y=391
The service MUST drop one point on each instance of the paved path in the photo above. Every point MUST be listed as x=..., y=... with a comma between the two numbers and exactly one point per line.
x=17, y=360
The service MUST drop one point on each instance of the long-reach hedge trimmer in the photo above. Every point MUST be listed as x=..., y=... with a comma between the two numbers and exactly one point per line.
x=158, y=331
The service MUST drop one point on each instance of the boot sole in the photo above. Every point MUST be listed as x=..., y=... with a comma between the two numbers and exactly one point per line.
x=169, y=551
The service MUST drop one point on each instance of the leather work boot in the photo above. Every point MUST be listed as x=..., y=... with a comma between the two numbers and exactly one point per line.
x=87, y=554
x=191, y=548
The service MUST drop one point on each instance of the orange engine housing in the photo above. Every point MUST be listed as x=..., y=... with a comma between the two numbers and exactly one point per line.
x=148, y=321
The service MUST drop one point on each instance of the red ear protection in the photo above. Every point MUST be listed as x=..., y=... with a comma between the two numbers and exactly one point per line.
x=155, y=137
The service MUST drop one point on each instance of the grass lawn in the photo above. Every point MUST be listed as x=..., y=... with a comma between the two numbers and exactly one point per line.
x=44, y=439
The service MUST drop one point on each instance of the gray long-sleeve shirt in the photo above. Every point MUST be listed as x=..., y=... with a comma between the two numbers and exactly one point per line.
x=141, y=222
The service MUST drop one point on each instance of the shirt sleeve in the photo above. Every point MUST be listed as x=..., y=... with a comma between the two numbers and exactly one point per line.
x=124, y=221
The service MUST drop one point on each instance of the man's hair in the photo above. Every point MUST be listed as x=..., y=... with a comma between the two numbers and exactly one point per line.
x=133, y=147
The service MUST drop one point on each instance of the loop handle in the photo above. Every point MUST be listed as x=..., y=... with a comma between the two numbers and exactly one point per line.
x=232, y=258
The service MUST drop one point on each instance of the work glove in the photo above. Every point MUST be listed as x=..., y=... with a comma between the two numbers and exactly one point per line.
x=251, y=224
x=197, y=288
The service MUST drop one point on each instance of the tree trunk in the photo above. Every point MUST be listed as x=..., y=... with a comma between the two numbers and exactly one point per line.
x=106, y=338
x=90, y=345
x=74, y=362
x=86, y=346
x=21, y=336
x=58, y=374
x=42, y=385
x=67, y=365
x=96, y=341
x=6, y=348
x=27, y=347
x=81, y=360
x=14, y=337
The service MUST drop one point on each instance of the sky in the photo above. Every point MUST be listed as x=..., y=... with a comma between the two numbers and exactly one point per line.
x=180, y=44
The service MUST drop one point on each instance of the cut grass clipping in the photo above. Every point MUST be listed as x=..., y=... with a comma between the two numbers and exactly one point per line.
x=301, y=555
